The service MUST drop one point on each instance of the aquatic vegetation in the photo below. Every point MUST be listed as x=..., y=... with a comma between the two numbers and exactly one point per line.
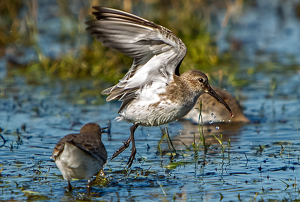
x=200, y=129
x=263, y=157
x=90, y=59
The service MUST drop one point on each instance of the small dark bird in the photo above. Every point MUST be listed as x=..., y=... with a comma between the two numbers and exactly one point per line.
x=82, y=155
x=152, y=92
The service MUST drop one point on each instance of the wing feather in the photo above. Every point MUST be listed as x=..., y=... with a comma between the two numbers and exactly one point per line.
x=87, y=143
x=157, y=52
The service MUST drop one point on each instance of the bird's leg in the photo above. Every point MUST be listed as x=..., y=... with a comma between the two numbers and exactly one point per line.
x=171, y=143
x=126, y=144
x=133, y=149
x=122, y=148
x=69, y=186
x=88, y=188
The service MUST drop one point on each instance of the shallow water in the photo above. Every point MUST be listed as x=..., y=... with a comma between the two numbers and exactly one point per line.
x=261, y=163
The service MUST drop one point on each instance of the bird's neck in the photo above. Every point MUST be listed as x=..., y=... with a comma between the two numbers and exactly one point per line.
x=181, y=89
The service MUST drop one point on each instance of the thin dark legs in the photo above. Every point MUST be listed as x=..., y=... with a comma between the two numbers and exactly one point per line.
x=88, y=188
x=69, y=186
x=126, y=145
x=133, y=149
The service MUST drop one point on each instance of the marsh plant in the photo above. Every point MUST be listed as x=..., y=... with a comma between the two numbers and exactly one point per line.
x=21, y=29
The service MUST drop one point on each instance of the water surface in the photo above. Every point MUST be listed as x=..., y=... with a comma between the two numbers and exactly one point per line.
x=257, y=161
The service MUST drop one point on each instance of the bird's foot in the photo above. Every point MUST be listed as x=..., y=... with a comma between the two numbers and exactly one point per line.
x=69, y=186
x=121, y=149
x=131, y=158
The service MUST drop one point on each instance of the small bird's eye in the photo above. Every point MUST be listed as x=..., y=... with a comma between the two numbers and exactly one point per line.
x=201, y=80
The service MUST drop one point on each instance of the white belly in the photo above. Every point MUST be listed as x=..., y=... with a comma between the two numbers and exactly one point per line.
x=154, y=114
x=74, y=163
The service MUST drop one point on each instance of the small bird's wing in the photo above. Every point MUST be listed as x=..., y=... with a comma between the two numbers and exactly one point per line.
x=90, y=144
x=59, y=147
x=87, y=143
x=157, y=51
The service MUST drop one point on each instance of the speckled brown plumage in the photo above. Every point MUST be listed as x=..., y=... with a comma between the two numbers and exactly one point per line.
x=88, y=140
x=152, y=92
x=81, y=155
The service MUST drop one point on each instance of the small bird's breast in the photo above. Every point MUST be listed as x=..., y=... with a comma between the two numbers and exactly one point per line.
x=74, y=163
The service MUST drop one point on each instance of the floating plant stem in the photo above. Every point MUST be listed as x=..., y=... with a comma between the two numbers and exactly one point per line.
x=228, y=149
x=4, y=141
x=200, y=128
x=161, y=186
x=195, y=147
x=287, y=185
x=160, y=141
x=220, y=140
x=165, y=133
x=169, y=139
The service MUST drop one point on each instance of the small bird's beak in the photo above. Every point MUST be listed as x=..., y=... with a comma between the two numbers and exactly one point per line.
x=103, y=130
x=213, y=93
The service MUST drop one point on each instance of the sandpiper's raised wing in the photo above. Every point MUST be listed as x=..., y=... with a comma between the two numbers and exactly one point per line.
x=157, y=51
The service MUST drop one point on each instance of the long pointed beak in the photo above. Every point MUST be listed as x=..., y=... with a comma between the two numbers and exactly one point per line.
x=217, y=97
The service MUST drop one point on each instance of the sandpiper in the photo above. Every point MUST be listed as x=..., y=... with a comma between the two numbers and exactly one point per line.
x=82, y=155
x=212, y=111
x=152, y=92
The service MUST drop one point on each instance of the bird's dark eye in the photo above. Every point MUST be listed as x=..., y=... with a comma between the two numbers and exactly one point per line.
x=201, y=80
